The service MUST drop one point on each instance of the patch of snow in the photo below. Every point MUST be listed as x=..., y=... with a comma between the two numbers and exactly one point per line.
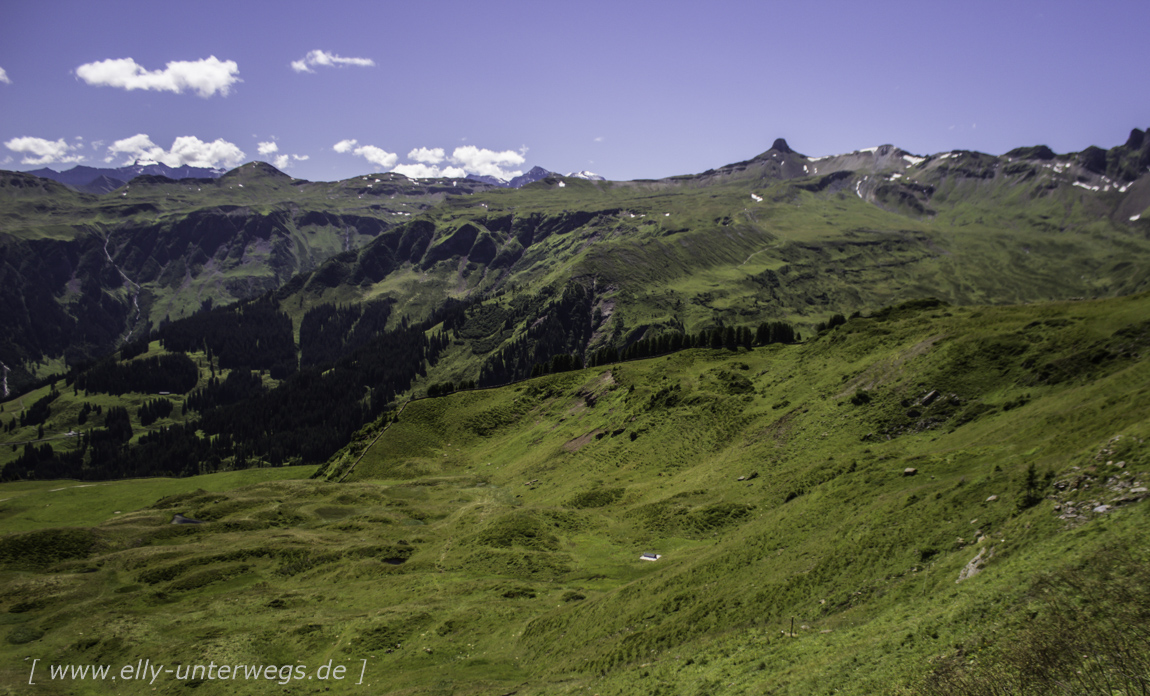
x=806, y=170
x=1088, y=187
x=869, y=150
x=819, y=159
x=858, y=188
x=758, y=199
x=947, y=155
x=562, y=185
x=1135, y=218
x=912, y=160
x=666, y=215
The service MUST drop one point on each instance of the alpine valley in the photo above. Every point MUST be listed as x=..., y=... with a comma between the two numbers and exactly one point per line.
x=866, y=423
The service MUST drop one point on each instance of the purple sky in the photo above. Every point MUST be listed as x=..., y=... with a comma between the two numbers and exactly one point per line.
x=624, y=89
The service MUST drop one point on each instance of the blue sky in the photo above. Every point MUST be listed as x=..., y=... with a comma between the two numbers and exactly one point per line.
x=624, y=89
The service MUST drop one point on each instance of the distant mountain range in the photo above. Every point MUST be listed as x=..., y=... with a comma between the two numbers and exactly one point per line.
x=535, y=174
x=102, y=180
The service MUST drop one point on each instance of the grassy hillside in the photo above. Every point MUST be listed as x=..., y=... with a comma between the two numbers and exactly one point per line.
x=920, y=490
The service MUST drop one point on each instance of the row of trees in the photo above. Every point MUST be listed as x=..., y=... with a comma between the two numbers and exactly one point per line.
x=445, y=388
x=153, y=410
x=174, y=372
x=729, y=337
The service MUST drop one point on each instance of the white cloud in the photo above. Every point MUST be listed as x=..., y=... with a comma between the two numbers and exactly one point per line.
x=4, y=77
x=6, y=160
x=329, y=60
x=427, y=156
x=468, y=160
x=427, y=171
x=599, y=139
x=186, y=150
x=377, y=156
x=41, y=151
x=280, y=161
x=417, y=171
x=488, y=162
x=205, y=77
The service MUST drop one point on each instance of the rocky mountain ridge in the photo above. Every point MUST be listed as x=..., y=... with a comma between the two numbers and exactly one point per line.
x=103, y=180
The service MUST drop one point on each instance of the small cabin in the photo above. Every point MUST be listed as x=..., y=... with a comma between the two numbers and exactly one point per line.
x=650, y=557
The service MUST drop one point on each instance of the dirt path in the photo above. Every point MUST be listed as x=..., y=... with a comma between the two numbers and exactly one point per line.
x=365, y=449
x=769, y=246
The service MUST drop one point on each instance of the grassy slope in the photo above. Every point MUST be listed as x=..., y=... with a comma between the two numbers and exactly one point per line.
x=521, y=513
x=32, y=505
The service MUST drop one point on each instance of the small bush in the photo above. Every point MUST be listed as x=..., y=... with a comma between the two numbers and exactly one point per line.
x=46, y=546
x=600, y=497
x=24, y=634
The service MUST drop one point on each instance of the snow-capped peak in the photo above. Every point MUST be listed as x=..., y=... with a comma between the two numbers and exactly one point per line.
x=588, y=175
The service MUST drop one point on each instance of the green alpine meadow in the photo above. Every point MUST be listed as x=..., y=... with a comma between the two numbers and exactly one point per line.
x=871, y=423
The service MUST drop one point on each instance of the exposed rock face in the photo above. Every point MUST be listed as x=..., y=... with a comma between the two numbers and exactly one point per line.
x=533, y=175
x=781, y=146
x=975, y=566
